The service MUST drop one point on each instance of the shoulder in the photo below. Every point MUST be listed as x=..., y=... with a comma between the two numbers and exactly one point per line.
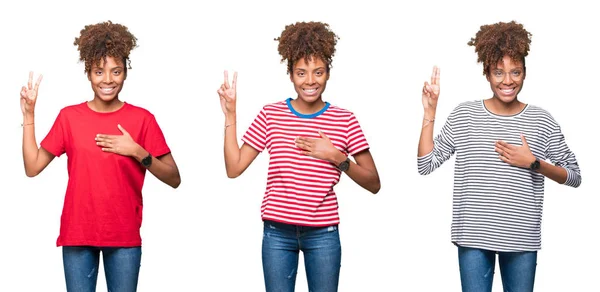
x=468, y=106
x=137, y=110
x=540, y=114
x=276, y=106
x=339, y=112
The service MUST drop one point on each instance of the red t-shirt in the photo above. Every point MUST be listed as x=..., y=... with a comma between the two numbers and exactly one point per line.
x=103, y=202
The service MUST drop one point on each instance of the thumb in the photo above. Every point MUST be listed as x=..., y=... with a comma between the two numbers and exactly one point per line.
x=524, y=140
x=122, y=130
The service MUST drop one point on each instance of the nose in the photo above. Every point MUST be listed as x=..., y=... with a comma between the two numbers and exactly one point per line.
x=507, y=79
x=107, y=78
x=310, y=79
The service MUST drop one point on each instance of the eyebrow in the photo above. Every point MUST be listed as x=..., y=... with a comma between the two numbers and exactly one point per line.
x=113, y=68
x=498, y=69
x=316, y=69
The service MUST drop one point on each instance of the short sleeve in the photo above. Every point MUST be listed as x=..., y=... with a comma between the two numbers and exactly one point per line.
x=54, y=142
x=356, y=141
x=256, y=135
x=154, y=139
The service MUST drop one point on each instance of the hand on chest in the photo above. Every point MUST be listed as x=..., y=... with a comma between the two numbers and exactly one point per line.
x=88, y=137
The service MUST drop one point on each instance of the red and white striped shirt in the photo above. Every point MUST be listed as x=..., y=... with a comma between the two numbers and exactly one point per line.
x=299, y=187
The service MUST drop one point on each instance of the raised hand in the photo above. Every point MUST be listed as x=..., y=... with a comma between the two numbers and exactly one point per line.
x=29, y=95
x=520, y=156
x=320, y=148
x=227, y=94
x=431, y=92
x=118, y=144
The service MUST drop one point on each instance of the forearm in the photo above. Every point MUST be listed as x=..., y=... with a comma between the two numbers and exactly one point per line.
x=231, y=148
x=162, y=168
x=30, y=147
x=553, y=172
x=426, y=138
x=366, y=177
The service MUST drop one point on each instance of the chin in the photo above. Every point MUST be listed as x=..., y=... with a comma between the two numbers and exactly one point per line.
x=310, y=99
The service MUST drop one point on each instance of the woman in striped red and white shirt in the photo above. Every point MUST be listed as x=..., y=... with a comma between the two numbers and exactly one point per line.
x=309, y=142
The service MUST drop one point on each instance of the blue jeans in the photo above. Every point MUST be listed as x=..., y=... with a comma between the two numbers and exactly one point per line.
x=121, y=267
x=517, y=269
x=281, y=246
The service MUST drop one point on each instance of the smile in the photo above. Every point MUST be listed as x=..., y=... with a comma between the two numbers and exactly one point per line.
x=107, y=89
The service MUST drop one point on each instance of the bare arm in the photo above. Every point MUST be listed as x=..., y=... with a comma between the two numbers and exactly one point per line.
x=430, y=99
x=164, y=167
x=34, y=159
x=553, y=172
x=363, y=172
x=237, y=159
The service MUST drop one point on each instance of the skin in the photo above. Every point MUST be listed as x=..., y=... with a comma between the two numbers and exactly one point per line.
x=309, y=80
x=503, y=102
x=108, y=74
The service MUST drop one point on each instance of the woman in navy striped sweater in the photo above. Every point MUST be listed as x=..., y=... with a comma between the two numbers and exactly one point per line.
x=501, y=146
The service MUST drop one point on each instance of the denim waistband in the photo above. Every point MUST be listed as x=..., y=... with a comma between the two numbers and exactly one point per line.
x=296, y=228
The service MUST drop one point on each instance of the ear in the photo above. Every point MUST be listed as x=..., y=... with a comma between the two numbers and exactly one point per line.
x=89, y=75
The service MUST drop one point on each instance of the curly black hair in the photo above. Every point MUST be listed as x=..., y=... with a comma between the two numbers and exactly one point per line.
x=306, y=40
x=105, y=39
x=494, y=41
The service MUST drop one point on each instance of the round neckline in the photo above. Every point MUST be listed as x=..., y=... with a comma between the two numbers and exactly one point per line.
x=503, y=116
x=288, y=101
x=87, y=106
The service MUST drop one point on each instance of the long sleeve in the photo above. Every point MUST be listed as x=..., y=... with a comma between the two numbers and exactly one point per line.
x=443, y=148
x=559, y=153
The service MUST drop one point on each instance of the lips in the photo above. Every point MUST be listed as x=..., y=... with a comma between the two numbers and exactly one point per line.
x=507, y=91
x=107, y=90
x=310, y=91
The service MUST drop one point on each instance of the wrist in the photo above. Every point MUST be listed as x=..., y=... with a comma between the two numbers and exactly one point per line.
x=338, y=158
x=429, y=114
x=28, y=118
x=230, y=118
x=140, y=154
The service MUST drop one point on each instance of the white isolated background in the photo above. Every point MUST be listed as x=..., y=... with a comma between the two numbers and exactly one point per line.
x=206, y=235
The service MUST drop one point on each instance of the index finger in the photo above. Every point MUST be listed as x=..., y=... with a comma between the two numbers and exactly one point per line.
x=435, y=75
x=30, y=80
x=234, y=82
x=37, y=83
x=226, y=82
x=105, y=136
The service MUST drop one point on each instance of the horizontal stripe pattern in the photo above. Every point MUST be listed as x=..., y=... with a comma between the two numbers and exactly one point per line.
x=300, y=188
x=497, y=206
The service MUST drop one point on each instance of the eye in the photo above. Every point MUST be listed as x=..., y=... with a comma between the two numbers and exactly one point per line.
x=300, y=73
x=117, y=72
x=319, y=73
x=498, y=73
x=98, y=72
x=516, y=73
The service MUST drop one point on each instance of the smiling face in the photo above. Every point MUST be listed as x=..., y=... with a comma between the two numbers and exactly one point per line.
x=309, y=78
x=107, y=78
x=506, y=79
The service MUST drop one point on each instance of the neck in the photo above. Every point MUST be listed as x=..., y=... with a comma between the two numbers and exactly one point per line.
x=498, y=107
x=307, y=108
x=100, y=105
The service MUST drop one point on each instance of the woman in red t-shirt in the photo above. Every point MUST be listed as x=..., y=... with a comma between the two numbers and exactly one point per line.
x=309, y=142
x=109, y=144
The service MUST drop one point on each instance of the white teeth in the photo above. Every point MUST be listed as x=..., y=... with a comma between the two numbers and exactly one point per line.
x=310, y=90
x=107, y=89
